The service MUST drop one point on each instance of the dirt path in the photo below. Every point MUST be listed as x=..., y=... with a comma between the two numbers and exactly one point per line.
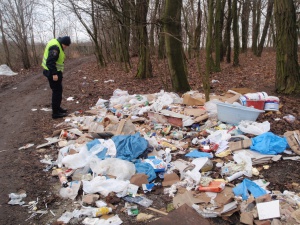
x=21, y=169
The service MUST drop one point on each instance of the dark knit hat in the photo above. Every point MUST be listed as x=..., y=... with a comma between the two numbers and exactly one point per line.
x=66, y=40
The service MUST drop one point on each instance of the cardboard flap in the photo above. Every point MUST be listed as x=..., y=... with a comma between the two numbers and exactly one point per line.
x=292, y=141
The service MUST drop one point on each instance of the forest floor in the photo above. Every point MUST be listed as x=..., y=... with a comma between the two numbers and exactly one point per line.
x=85, y=82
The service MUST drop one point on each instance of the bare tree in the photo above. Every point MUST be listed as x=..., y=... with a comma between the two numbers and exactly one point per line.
x=266, y=27
x=145, y=66
x=82, y=11
x=17, y=15
x=4, y=42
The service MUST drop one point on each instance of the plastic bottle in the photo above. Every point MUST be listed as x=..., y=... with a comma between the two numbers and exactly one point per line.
x=235, y=176
x=62, y=177
x=102, y=211
x=207, y=166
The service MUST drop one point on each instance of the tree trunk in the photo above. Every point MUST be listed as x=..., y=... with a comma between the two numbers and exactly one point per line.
x=256, y=24
x=197, y=34
x=206, y=81
x=287, y=68
x=4, y=42
x=218, y=36
x=227, y=35
x=161, y=35
x=174, y=49
x=222, y=52
x=125, y=34
x=144, y=67
x=245, y=24
x=235, y=34
x=152, y=26
x=266, y=27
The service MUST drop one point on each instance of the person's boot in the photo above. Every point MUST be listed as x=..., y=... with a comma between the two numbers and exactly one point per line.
x=62, y=110
x=57, y=114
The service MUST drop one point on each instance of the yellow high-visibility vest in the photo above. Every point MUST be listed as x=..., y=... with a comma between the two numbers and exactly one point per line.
x=61, y=57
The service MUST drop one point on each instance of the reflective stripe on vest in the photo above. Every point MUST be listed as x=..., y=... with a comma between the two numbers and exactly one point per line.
x=61, y=57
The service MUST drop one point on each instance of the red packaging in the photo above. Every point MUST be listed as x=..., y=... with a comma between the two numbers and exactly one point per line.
x=214, y=186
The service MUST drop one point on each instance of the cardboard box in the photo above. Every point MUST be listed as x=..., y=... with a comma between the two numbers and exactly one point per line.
x=196, y=98
x=238, y=145
x=193, y=98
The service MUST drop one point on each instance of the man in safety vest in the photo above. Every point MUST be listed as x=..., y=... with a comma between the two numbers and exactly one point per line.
x=53, y=64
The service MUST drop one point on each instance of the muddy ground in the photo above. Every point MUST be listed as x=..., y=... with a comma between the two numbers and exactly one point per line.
x=83, y=80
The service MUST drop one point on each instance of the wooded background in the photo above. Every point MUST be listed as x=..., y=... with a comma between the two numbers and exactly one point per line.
x=172, y=30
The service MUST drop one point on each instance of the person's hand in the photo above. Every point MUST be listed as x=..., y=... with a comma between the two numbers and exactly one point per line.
x=55, y=78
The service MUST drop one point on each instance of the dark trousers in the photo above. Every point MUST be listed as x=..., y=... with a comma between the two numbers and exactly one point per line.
x=57, y=90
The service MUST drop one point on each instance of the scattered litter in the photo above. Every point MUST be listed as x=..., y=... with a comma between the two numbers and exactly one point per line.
x=70, y=99
x=16, y=199
x=133, y=146
x=46, y=109
x=26, y=146
x=107, y=81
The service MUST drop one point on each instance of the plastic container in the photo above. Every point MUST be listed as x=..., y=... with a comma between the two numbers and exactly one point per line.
x=272, y=104
x=214, y=186
x=256, y=96
x=257, y=104
x=233, y=114
x=62, y=177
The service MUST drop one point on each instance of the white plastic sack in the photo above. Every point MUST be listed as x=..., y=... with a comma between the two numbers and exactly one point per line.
x=243, y=159
x=62, y=153
x=105, y=186
x=82, y=158
x=119, y=92
x=115, y=220
x=218, y=136
x=121, y=169
x=6, y=71
x=255, y=128
x=163, y=100
x=211, y=107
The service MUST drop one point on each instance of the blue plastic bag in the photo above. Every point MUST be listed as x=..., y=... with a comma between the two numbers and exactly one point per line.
x=197, y=154
x=90, y=144
x=129, y=147
x=269, y=144
x=146, y=168
x=248, y=185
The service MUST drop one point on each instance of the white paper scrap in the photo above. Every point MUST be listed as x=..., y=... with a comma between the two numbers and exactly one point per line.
x=267, y=210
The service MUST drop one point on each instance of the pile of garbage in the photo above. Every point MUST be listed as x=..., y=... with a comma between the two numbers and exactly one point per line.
x=126, y=147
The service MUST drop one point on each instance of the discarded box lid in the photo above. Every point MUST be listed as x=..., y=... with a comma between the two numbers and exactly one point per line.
x=230, y=113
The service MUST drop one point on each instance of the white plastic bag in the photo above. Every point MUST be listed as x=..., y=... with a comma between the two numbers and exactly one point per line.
x=255, y=128
x=105, y=186
x=121, y=169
